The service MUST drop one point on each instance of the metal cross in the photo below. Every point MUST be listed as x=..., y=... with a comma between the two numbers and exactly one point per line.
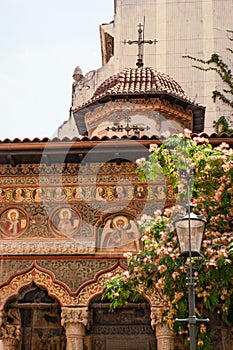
x=140, y=43
x=127, y=127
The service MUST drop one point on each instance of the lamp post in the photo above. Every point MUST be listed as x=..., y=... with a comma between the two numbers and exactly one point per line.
x=190, y=229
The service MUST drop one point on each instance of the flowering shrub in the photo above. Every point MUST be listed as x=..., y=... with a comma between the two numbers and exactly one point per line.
x=159, y=265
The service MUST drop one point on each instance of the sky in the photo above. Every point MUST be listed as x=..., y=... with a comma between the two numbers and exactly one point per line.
x=41, y=43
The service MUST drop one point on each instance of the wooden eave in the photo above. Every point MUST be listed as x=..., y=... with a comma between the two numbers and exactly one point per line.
x=72, y=151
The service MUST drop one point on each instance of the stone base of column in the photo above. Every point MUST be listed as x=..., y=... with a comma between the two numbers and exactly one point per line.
x=165, y=337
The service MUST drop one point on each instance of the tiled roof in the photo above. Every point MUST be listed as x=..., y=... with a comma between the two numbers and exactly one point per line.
x=74, y=150
x=25, y=141
x=134, y=81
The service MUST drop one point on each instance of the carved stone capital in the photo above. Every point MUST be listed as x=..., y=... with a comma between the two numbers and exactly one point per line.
x=74, y=315
x=10, y=330
x=10, y=336
x=156, y=316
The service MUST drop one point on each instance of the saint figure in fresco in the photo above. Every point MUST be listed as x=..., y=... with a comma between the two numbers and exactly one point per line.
x=66, y=221
x=99, y=196
x=18, y=195
x=120, y=192
x=59, y=194
x=78, y=193
x=120, y=234
x=13, y=224
x=140, y=192
x=161, y=192
x=37, y=194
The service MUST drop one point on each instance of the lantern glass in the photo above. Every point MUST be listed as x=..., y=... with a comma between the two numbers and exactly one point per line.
x=190, y=229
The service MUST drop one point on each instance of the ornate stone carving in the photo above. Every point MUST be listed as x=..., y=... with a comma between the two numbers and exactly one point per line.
x=98, y=344
x=74, y=320
x=22, y=247
x=40, y=278
x=10, y=331
x=95, y=288
x=11, y=267
x=156, y=300
x=129, y=330
x=74, y=273
x=9, y=340
x=82, y=87
x=88, y=292
x=56, y=286
x=153, y=317
x=74, y=315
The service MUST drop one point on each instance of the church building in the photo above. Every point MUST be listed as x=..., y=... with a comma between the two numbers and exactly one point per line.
x=69, y=211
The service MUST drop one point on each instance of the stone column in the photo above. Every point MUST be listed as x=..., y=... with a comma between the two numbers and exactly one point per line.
x=74, y=319
x=164, y=336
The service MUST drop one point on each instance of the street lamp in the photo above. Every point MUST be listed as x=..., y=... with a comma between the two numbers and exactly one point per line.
x=190, y=229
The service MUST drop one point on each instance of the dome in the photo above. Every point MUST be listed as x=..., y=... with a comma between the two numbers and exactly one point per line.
x=135, y=81
x=135, y=84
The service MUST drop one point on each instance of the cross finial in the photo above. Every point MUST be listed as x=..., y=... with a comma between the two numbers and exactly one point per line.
x=140, y=43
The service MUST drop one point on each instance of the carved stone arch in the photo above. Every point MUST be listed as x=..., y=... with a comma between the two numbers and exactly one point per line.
x=31, y=319
x=40, y=277
x=95, y=288
x=147, y=313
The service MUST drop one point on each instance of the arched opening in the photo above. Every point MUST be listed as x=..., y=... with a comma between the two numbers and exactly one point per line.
x=126, y=328
x=36, y=317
